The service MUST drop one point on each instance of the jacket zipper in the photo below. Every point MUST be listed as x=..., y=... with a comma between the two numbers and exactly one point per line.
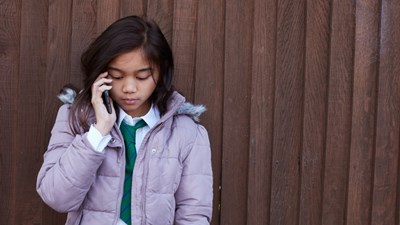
x=121, y=183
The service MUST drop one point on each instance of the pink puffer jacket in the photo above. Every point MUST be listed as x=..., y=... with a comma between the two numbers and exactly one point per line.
x=172, y=180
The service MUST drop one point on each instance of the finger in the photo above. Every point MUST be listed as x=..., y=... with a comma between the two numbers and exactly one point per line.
x=102, y=82
x=102, y=88
x=103, y=75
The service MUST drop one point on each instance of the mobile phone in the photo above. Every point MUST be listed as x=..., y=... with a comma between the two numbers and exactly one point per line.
x=106, y=100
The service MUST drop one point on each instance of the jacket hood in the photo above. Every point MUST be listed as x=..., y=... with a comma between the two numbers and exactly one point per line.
x=67, y=96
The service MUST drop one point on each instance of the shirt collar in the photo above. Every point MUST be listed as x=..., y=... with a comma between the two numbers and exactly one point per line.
x=151, y=117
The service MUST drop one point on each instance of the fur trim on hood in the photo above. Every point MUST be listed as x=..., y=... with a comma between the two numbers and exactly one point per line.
x=67, y=96
x=191, y=110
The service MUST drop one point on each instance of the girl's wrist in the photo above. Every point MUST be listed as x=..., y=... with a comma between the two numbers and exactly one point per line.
x=102, y=129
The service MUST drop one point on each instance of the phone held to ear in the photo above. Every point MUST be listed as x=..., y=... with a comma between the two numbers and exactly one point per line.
x=106, y=100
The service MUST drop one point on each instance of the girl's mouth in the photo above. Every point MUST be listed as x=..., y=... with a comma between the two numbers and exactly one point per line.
x=130, y=101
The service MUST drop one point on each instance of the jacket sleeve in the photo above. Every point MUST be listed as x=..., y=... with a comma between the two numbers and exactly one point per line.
x=69, y=167
x=195, y=193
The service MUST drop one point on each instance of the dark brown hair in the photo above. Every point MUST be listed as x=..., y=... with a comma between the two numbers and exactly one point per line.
x=124, y=35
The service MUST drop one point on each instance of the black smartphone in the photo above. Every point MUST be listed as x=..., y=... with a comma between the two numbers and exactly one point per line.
x=106, y=101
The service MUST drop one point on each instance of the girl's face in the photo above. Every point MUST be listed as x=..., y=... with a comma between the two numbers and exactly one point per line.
x=134, y=80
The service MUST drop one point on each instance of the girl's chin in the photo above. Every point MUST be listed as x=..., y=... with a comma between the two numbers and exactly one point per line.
x=136, y=111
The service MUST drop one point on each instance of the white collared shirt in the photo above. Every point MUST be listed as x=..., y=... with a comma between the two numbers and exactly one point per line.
x=151, y=118
x=99, y=142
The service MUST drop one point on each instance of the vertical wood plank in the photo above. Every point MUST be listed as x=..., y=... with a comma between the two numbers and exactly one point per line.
x=107, y=13
x=397, y=210
x=338, y=113
x=237, y=85
x=364, y=112
x=315, y=105
x=57, y=74
x=288, y=112
x=10, y=12
x=261, y=112
x=58, y=57
x=184, y=46
x=161, y=11
x=388, y=119
x=209, y=82
x=84, y=30
x=133, y=7
x=30, y=122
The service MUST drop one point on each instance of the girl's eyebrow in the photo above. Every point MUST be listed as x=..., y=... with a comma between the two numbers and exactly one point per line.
x=144, y=69
x=136, y=71
x=113, y=68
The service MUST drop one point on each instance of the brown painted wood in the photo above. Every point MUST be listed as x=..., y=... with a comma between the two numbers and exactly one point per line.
x=9, y=69
x=162, y=12
x=288, y=112
x=84, y=30
x=58, y=68
x=315, y=110
x=359, y=201
x=338, y=114
x=58, y=71
x=184, y=46
x=29, y=135
x=261, y=112
x=236, y=105
x=209, y=82
x=133, y=7
x=385, y=186
x=107, y=12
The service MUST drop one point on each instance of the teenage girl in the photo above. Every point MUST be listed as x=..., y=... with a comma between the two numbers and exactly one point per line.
x=99, y=167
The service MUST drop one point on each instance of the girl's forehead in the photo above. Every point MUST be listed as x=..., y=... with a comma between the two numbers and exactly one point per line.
x=134, y=58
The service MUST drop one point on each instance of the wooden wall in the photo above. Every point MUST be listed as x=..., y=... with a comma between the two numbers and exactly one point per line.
x=303, y=101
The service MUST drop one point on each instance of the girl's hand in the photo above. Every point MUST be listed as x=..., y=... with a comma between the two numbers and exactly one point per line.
x=104, y=120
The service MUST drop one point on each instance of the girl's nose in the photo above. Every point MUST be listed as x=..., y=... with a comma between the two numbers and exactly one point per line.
x=129, y=85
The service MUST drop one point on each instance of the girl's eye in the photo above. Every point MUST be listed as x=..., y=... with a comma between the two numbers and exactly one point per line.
x=142, y=77
x=115, y=77
x=144, y=74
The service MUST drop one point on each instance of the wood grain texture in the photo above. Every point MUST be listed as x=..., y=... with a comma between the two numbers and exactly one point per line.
x=133, y=7
x=58, y=67
x=366, y=66
x=58, y=72
x=209, y=83
x=236, y=103
x=184, y=46
x=84, y=30
x=315, y=110
x=261, y=112
x=9, y=69
x=30, y=137
x=338, y=113
x=288, y=112
x=385, y=183
x=162, y=12
x=107, y=12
